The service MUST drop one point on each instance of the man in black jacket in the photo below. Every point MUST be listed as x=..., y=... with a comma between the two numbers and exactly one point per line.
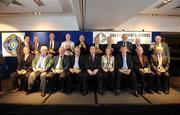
x=93, y=71
x=76, y=68
x=24, y=70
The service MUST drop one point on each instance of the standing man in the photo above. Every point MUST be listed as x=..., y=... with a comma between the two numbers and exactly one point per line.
x=19, y=49
x=36, y=45
x=52, y=44
x=125, y=43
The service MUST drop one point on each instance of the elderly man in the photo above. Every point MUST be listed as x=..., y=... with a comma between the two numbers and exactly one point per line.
x=41, y=65
x=159, y=43
x=110, y=44
x=60, y=68
x=143, y=71
x=160, y=66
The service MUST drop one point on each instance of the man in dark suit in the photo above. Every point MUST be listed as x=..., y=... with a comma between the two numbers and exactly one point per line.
x=19, y=49
x=36, y=45
x=52, y=45
x=23, y=70
x=160, y=66
x=143, y=71
x=124, y=66
x=93, y=71
x=60, y=69
x=99, y=47
x=83, y=45
x=110, y=44
x=126, y=43
x=76, y=68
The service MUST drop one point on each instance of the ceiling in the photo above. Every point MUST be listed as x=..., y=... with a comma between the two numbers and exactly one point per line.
x=92, y=14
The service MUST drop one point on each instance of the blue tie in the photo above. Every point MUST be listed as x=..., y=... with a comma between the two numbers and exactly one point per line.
x=125, y=62
x=41, y=61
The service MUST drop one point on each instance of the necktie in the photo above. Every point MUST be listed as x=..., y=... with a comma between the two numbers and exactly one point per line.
x=124, y=62
x=93, y=57
x=50, y=44
x=59, y=64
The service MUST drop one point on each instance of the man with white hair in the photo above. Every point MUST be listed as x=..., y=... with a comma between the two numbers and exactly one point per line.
x=40, y=65
x=160, y=66
x=36, y=45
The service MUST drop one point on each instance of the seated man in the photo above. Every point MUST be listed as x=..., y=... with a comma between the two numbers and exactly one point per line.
x=23, y=70
x=60, y=68
x=93, y=71
x=124, y=66
x=160, y=66
x=76, y=68
x=142, y=69
x=41, y=65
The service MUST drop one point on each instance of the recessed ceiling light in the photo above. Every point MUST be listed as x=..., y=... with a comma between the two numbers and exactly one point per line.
x=165, y=2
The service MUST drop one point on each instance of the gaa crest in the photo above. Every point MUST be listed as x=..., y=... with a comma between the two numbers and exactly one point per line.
x=11, y=43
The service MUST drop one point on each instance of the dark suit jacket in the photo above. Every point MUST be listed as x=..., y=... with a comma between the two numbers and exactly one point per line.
x=154, y=62
x=19, y=50
x=92, y=65
x=119, y=61
x=56, y=46
x=65, y=64
x=138, y=65
x=84, y=51
x=81, y=61
x=33, y=47
x=26, y=64
x=129, y=45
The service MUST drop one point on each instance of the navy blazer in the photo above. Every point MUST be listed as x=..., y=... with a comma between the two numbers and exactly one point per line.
x=65, y=63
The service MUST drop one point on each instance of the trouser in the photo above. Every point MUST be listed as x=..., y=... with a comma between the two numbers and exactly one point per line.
x=33, y=76
x=74, y=79
x=131, y=76
x=162, y=81
x=98, y=80
x=109, y=80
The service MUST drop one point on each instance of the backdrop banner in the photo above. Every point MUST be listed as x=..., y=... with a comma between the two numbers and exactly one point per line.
x=146, y=37
x=10, y=42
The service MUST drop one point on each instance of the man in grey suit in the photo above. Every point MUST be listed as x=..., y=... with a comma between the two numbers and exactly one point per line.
x=60, y=68
x=126, y=43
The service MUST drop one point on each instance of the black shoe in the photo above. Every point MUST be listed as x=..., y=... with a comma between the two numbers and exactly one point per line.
x=166, y=92
x=84, y=92
x=150, y=92
x=27, y=92
x=136, y=94
x=68, y=91
x=117, y=92
x=100, y=91
x=158, y=92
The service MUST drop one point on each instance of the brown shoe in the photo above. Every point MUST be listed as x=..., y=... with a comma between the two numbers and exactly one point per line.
x=43, y=94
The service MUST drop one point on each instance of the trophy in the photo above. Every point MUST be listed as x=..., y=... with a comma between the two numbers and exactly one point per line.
x=147, y=70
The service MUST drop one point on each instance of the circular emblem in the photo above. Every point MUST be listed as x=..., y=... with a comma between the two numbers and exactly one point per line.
x=11, y=43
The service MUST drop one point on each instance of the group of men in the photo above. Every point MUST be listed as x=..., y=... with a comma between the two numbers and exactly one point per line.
x=87, y=66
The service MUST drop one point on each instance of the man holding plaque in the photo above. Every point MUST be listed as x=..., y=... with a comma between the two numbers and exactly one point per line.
x=160, y=65
x=143, y=71
x=60, y=69
x=124, y=66
x=40, y=65
x=76, y=68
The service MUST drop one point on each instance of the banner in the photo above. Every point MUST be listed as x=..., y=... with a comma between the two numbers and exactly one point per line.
x=146, y=37
x=10, y=42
